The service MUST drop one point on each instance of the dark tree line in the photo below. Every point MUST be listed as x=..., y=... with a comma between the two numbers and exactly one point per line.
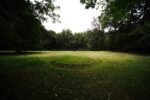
x=128, y=22
x=135, y=38
x=20, y=23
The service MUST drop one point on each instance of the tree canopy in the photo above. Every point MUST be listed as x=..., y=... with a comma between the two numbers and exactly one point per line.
x=128, y=22
x=20, y=26
x=117, y=12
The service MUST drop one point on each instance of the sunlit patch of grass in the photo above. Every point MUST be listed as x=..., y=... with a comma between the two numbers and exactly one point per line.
x=100, y=76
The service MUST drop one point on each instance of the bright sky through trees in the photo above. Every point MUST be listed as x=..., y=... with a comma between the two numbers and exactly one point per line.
x=73, y=16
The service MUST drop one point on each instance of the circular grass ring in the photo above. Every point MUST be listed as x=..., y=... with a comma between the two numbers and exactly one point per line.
x=72, y=62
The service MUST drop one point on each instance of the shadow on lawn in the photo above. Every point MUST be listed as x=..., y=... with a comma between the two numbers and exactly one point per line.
x=9, y=53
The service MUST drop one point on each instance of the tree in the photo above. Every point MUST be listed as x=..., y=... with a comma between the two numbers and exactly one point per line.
x=20, y=25
x=49, y=39
x=95, y=40
x=130, y=21
x=64, y=39
x=79, y=41
x=117, y=12
x=95, y=24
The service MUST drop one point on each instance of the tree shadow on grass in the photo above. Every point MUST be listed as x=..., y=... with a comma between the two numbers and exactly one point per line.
x=14, y=53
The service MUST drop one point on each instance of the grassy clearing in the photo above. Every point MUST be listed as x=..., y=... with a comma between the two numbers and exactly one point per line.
x=75, y=75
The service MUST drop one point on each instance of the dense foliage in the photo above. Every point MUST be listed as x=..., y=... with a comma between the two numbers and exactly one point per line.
x=130, y=40
x=127, y=22
x=20, y=27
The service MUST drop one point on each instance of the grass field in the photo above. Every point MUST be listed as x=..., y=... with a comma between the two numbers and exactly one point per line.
x=75, y=75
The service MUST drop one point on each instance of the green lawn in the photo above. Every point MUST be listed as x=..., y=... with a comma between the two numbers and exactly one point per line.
x=75, y=75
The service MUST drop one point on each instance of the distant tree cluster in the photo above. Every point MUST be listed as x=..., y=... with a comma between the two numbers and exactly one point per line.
x=131, y=39
x=64, y=40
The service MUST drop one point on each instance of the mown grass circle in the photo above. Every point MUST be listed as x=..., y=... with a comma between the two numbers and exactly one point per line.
x=72, y=62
